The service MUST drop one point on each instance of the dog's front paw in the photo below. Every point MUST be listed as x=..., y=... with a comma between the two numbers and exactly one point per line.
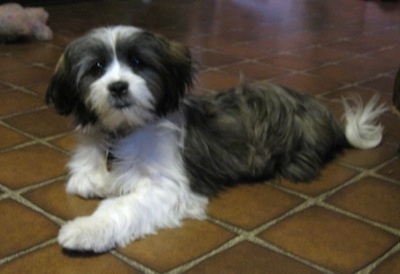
x=87, y=185
x=86, y=234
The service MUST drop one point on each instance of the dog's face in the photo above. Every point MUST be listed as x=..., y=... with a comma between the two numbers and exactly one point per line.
x=120, y=77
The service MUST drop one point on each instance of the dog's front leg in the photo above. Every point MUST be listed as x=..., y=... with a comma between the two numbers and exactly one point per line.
x=88, y=172
x=122, y=219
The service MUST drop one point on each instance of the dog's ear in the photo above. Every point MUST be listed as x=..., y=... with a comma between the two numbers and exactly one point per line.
x=61, y=91
x=178, y=73
x=182, y=65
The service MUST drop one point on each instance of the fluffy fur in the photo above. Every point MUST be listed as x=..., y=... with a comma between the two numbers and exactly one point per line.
x=156, y=155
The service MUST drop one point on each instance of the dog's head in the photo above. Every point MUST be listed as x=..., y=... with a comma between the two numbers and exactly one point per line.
x=120, y=77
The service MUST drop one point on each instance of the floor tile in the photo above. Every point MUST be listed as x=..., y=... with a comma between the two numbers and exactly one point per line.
x=392, y=169
x=234, y=206
x=51, y=260
x=306, y=83
x=322, y=54
x=206, y=41
x=353, y=46
x=40, y=88
x=17, y=168
x=8, y=64
x=314, y=234
x=254, y=71
x=27, y=76
x=332, y=175
x=390, y=266
x=10, y=138
x=369, y=63
x=217, y=80
x=388, y=53
x=291, y=61
x=15, y=236
x=41, y=123
x=381, y=41
x=169, y=248
x=241, y=35
x=343, y=74
x=16, y=101
x=372, y=198
x=368, y=158
x=215, y=59
x=10, y=48
x=381, y=83
x=67, y=142
x=255, y=50
x=4, y=88
x=45, y=55
x=54, y=199
x=392, y=129
x=363, y=93
x=247, y=257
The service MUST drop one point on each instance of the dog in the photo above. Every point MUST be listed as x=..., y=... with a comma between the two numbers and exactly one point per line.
x=157, y=153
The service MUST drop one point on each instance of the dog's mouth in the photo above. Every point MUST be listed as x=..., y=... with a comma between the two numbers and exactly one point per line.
x=120, y=103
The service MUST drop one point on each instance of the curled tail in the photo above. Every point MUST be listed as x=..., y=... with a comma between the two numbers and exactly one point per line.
x=361, y=126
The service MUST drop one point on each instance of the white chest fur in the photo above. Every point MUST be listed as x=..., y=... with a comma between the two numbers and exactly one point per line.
x=145, y=190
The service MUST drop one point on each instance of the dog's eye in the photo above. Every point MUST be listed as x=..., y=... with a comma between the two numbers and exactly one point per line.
x=137, y=63
x=98, y=67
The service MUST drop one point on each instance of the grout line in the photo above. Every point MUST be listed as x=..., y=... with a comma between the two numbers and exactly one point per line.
x=225, y=246
x=373, y=171
x=29, y=250
x=299, y=208
x=365, y=220
x=285, y=253
x=13, y=87
x=309, y=201
x=251, y=236
x=34, y=139
x=132, y=263
x=16, y=196
x=32, y=187
x=24, y=201
x=372, y=266
x=27, y=111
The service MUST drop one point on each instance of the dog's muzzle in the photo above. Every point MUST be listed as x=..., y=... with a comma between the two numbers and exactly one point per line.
x=119, y=94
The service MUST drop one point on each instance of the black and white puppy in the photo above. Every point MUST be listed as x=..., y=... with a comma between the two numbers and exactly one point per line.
x=157, y=155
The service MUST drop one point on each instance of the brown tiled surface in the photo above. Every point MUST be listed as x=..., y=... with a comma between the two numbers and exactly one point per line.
x=235, y=207
x=346, y=221
x=330, y=239
x=372, y=198
x=171, y=248
x=246, y=257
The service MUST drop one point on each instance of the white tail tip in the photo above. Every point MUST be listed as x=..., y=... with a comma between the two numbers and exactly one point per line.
x=361, y=126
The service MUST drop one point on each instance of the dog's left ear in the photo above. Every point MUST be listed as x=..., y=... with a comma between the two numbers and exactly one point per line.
x=182, y=67
x=61, y=91
x=178, y=74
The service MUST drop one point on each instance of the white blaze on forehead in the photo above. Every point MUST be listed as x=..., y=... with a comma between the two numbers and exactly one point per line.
x=110, y=35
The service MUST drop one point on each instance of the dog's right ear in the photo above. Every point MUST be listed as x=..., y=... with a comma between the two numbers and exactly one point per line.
x=62, y=90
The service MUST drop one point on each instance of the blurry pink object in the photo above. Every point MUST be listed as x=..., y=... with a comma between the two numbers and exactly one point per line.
x=17, y=22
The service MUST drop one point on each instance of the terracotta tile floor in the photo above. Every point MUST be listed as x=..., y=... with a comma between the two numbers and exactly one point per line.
x=347, y=221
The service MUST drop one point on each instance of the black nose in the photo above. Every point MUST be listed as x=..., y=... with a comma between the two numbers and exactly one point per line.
x=119, y=88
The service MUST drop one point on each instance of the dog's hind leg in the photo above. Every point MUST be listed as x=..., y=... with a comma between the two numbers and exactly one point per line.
x=304, y=166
